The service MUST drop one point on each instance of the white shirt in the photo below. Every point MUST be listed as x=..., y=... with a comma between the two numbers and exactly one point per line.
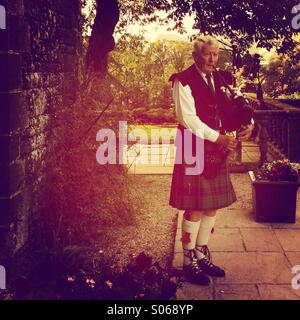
x=186, y=112
x=204, y=75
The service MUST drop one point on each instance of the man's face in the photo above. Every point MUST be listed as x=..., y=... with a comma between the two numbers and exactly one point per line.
x=207, y=58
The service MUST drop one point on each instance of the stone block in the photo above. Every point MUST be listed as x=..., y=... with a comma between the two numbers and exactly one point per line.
x=69, y=62
x=3, y=236
x=16, y=36
x=10, y=148
x=66, y=37
x=25, y=147
x=10, y=119
x=10, y=76
x=13, y=7
x=12, y=177
x=9, y=208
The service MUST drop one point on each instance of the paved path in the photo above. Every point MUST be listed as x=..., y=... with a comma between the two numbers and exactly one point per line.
x=258, y=259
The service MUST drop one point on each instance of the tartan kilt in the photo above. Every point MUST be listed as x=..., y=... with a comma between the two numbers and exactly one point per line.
x=195, y=192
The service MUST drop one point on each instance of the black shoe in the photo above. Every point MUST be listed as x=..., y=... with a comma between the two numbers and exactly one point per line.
x=193, y=272
x=210, y=269
x=206, y=265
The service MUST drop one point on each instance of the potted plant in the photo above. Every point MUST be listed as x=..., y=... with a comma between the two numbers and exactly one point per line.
x=274, y=191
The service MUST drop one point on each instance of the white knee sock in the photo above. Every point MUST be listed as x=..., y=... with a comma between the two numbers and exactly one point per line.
x=189, y=235
x=206, y=225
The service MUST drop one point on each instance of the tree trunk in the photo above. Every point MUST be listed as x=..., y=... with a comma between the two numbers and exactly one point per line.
x=102, y=40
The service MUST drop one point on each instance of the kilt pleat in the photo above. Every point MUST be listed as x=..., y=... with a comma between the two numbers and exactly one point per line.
x=195, y=192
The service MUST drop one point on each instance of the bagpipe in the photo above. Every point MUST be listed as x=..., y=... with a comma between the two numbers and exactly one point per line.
x=236, y=110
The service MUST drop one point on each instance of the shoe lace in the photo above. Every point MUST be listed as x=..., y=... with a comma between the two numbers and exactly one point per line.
x=192, y=256
x=204, y=249
x=208, y=263
x=195, y=267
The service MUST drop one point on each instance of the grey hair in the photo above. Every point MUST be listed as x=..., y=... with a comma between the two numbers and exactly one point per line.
x=201, y=40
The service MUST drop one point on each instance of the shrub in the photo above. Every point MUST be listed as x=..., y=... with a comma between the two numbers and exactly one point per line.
x=81, y=197
x=70, y=274
x=141, y=279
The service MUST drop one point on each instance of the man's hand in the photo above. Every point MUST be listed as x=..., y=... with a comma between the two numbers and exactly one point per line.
x=227, y=142
x=245, y=134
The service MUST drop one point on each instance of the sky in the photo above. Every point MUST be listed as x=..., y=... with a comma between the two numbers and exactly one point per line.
x=154, y=30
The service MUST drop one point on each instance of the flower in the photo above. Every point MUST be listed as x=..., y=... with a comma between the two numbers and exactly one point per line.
x=109, y=283
x=141, y=278
x=278, y=170
x=90, y=282
x=132, y=255
x=70, y=278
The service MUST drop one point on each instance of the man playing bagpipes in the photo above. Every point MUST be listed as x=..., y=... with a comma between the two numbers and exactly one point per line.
x=203, y=100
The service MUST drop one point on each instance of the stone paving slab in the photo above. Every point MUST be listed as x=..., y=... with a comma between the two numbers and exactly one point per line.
x=260, y=240
x=189, y=291
x=249, y=144
x=238, y=218
x=179, y=219
x=226, y=239
x=242, y=218
x=278, y=292
x=177, y=262
x=253, y=267
x=289, y=239
x=151, y=169
x=250, y=157
x=263, y=271
x=251, y=150
x=178, y=250
x=223, y=239
x=295, y=225
x=293, y=257
x=178, y=245
x=236, y=292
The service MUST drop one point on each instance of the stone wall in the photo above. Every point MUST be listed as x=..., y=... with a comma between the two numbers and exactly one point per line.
x=39, y=63
x=279, y=123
